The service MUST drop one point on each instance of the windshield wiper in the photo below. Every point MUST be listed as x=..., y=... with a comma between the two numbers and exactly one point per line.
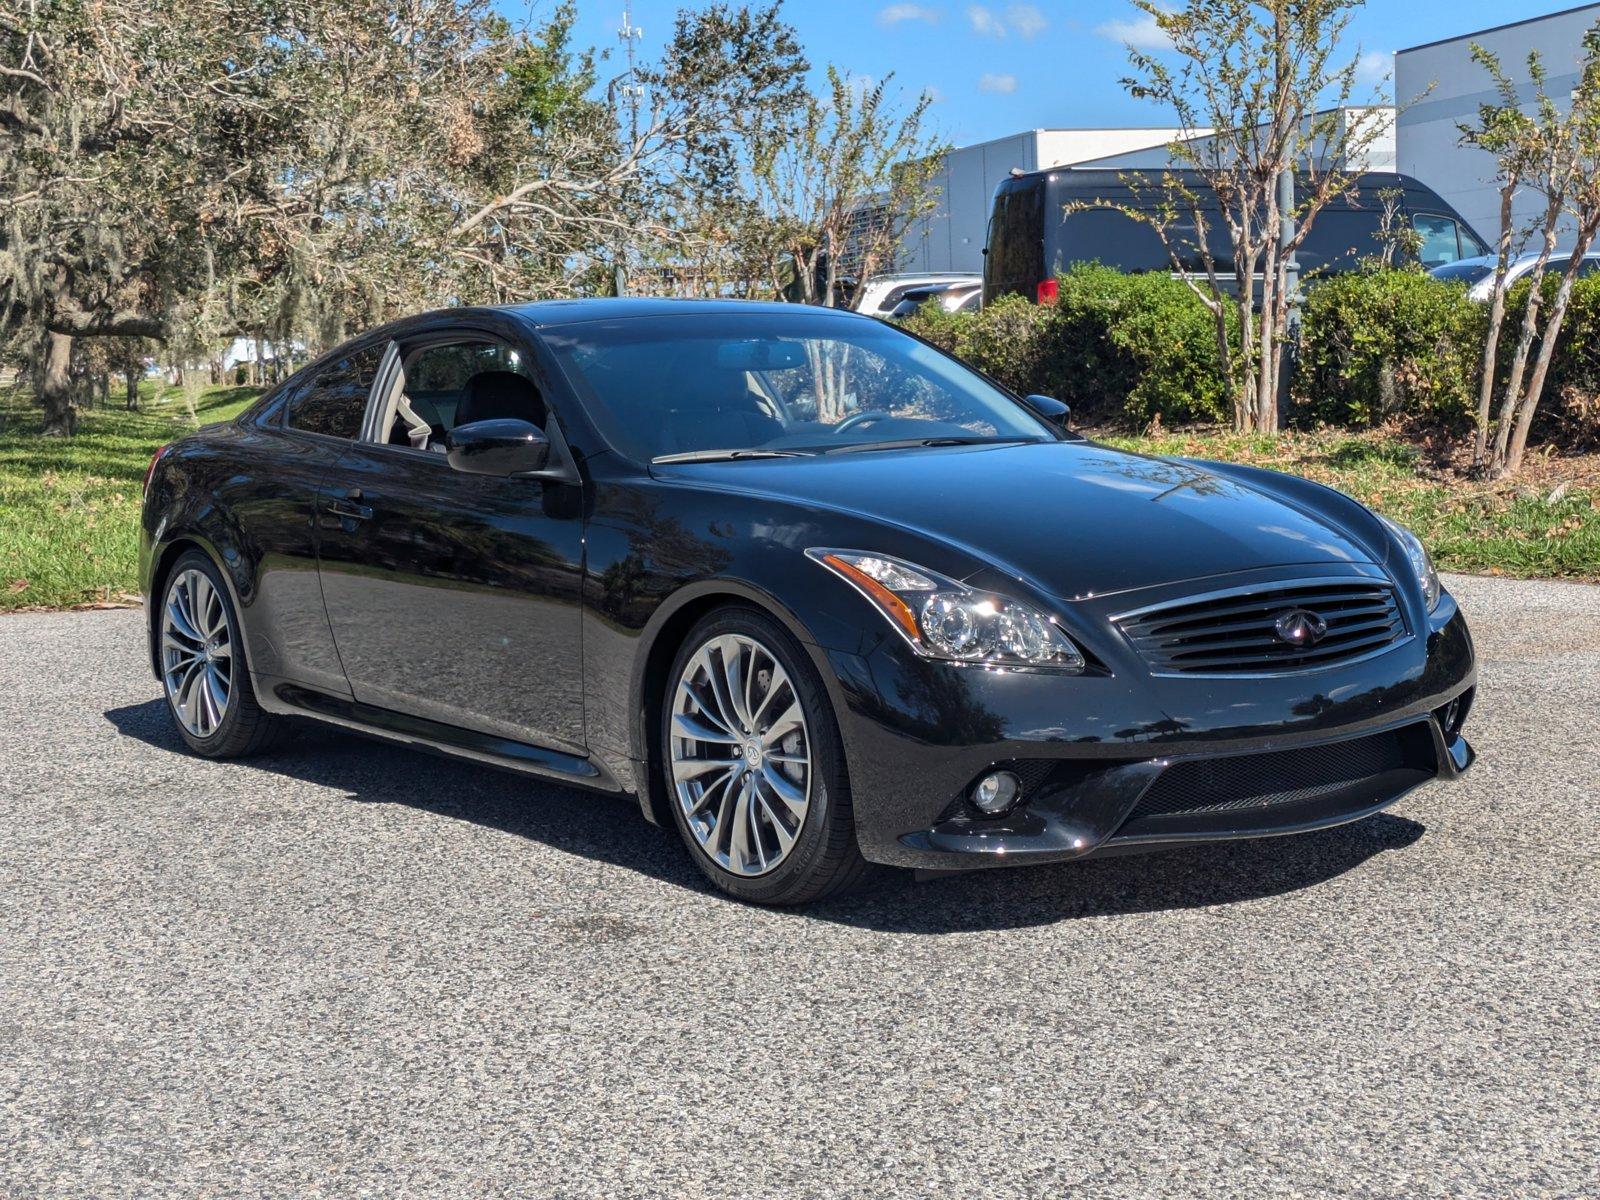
x=910, y=443
x=689, y=456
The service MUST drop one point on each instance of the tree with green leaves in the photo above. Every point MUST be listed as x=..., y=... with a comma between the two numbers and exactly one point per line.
x=126, y=131
x=724, y=242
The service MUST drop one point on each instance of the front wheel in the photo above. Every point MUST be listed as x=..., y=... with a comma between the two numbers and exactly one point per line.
x=754, y=765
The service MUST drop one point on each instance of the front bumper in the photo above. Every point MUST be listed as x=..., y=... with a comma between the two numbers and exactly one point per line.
x=1126, y=760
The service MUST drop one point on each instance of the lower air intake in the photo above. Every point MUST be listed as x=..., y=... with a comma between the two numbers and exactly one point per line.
x=1252, y=781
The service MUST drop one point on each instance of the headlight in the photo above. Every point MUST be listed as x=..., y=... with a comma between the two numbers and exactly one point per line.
x=1417, y=553
x=947, y=620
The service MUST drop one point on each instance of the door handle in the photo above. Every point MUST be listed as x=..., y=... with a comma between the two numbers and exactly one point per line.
x=349, y=507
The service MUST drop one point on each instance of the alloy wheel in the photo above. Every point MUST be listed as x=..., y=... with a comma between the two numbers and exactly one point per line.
x=196, y=653
x=741, y=754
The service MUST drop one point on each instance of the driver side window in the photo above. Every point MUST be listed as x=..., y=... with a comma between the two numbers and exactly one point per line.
x=444, y=385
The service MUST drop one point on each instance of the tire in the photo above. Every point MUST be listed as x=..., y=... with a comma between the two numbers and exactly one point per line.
x=736, y=806
x=204, y=676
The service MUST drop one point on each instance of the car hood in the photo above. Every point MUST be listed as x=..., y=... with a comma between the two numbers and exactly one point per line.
x=1076, y=518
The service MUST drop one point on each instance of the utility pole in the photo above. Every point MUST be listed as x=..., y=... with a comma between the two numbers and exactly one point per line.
x=628, y=34
x=1291, y=288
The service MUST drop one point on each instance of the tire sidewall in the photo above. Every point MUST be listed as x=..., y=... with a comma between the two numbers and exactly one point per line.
x=794, y=874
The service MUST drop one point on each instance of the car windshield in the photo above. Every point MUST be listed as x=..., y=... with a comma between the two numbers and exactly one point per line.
x=1468, y=271
x=699, y=384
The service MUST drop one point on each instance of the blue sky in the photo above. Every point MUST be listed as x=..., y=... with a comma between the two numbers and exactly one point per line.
x=1002, y=67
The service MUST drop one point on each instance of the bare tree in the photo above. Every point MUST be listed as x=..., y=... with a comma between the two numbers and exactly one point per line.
x=850, y=176
x=1508, y=133
x=1555, y=154
x=1259, y=90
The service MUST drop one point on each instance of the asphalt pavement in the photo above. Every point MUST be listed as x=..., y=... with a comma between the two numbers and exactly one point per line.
x=350, y=970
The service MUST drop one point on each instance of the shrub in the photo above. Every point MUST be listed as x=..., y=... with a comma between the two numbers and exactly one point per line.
x=943, y=329
x=1132, y=347
x=1116, y=347
x=1387, y=343
x=1012, y=340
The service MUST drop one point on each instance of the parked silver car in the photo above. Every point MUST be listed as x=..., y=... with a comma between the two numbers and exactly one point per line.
x=952, y=297
x=1478, y=273
x=881, y=295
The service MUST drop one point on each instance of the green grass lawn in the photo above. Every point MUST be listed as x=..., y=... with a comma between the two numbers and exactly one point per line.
x=1543, y=524
x=69, y=508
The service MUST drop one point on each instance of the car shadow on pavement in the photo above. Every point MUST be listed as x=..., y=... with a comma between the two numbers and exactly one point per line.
x=610, y=830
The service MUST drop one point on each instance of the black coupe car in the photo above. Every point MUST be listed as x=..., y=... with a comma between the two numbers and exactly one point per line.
x=813, y=591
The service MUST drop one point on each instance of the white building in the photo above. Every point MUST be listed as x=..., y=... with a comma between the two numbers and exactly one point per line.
x=1451, y=87
x=1372, y=127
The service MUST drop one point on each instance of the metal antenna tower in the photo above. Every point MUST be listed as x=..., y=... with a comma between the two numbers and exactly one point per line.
x=628, y=34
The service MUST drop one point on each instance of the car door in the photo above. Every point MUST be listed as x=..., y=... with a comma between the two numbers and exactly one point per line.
x=271, y=498
x=454, y=597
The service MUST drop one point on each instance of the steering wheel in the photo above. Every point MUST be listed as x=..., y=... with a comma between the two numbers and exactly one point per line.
x=860, y=418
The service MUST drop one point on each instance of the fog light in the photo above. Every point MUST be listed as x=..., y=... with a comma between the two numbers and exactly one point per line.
x=996, y=792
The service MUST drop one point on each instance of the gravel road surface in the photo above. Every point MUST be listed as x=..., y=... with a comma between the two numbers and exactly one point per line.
x=350, y=970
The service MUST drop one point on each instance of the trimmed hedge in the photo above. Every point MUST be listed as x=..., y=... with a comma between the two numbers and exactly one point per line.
x=1116, y=347
x=1123, y=349
x=1385, y=344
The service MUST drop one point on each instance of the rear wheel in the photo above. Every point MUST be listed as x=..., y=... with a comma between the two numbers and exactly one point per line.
x=202, y=664
x=754, y=765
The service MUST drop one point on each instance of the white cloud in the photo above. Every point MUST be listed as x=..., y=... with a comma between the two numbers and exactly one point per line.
x=1142, y=33
x=934, y=95
x=895, y=14
x=1004, y=84
x=984, y=21
x=1374, y=67
x=1027, y=20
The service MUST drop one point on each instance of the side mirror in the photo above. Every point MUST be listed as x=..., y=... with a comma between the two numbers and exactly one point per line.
x=1051, y=410
x=500, y=447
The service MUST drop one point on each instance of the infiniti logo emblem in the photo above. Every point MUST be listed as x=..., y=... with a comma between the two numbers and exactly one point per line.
x=1299, y=627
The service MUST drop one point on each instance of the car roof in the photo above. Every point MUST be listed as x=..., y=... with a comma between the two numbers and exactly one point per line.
x=550, y=313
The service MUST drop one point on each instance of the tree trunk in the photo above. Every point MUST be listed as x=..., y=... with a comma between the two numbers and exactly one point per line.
x=132, y=378
x=832, y=281
x=1267, y=372
x=1497, y=316
x=55, y=386
x=1244, y=404
x=1529, y=404
x=1530, y=326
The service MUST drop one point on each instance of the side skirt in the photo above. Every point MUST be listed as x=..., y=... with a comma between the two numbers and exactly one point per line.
x=435, y=737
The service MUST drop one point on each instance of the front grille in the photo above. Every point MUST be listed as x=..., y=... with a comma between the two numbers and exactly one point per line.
x=1230, y=633
x=1251, y=781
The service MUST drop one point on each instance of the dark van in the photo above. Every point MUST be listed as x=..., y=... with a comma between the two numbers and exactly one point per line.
x=1032, y=238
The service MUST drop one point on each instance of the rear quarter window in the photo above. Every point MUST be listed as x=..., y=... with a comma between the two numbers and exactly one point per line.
x=333, y=400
